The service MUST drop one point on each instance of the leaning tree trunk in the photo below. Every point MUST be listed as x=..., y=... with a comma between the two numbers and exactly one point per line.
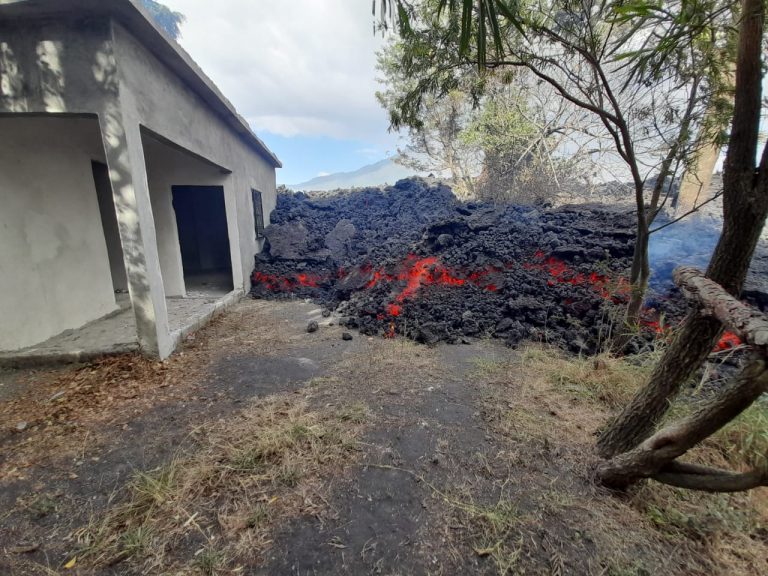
x=661, y=449
x=745, y=205
x=638, y=279
x=656, y=457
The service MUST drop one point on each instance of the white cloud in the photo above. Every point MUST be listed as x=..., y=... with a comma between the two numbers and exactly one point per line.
x=293, y=67
x=320, y=174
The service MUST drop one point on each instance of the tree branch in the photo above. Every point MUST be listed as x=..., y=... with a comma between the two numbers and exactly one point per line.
x=748, y=323
x=695, y=477
x=661, y=449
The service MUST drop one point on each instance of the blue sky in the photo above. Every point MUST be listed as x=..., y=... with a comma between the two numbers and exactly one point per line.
x=305, y=157
x=302, y=72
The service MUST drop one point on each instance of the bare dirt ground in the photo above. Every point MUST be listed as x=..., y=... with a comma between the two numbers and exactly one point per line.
x=262, y=449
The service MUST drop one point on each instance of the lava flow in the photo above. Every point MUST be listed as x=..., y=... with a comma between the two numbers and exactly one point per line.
x=284, y=283
x=727, y=341
x=561, y=273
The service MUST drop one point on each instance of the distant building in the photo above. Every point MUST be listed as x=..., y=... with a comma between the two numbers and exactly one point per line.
x=122, y=169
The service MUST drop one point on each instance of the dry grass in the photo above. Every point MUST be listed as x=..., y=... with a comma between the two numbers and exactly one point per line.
x=67, y=410
x=542, y=398
x=741, y=444
x=389, y=367
x=604, y=378
x=213, y=506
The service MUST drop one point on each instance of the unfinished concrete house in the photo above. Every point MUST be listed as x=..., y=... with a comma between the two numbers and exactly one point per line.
x=132, y=194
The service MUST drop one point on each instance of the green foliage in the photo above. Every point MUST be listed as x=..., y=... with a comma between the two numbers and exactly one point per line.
x=494, y=132
x=169, y=20
x=502, y=126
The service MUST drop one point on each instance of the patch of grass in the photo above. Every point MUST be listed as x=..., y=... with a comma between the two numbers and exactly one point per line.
x=495, y=533
x=741, y=444
x=42, y=506
x=137, y=541
x=288, y=475
x=259, y=516
x=323, y=381
x=668, y=519
x=154, y=487
x=634, y=568
x=356, y=413
x=606, y=379
x=490, y=368
x=274, y=449
x=522, y=424
x=555, y=500
x=727, y=524
x=745, y=439
x=388, y=364
x=210, y=561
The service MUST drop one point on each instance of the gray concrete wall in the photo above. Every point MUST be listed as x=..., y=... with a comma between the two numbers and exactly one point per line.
x=89, y=64
x=54, y=268
x=61, y=66
x=166, y=106
x=68, y=66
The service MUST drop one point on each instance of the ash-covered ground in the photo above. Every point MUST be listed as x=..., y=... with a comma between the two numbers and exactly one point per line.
x=412, y=260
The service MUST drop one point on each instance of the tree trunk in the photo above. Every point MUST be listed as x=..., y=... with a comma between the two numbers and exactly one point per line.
x=696, y=182
x=745, y=205
x=640, y=271
x=662, y=448
x=695, y=185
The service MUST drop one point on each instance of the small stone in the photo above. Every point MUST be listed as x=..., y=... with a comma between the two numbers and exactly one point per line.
x=326, y=313
x=312, y=327
x=435, y=460
x=346, y=336
x=21, y=426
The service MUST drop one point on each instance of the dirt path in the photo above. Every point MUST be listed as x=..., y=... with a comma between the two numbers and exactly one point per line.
x=367, y=456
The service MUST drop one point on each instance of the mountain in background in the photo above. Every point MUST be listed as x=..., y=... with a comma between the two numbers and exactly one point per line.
x=383, y=172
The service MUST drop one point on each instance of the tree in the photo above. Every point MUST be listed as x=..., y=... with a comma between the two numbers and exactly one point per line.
x=534, y=146
x=629, y=446
x=651, y=113
x=500, y=137
x=169, y=20
x=745, y=206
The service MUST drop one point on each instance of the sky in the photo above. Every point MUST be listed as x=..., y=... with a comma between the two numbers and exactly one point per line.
x=302, y=72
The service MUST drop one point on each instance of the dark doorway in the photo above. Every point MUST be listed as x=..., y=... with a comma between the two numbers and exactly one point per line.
x=109, y=225
x=201, y=219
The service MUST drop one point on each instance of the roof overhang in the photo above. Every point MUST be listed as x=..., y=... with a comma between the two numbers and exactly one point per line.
x=131, y=14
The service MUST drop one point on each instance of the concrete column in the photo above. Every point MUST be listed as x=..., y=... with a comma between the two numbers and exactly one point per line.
x=128, y=175
x=233, y=230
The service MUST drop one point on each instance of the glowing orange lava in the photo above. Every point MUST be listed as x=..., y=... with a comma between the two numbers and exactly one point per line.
x=727, y=341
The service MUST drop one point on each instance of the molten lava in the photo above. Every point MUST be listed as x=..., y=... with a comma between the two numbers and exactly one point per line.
x=425, y=271
x=561, y=273
x=727, y=341
x=417, y=272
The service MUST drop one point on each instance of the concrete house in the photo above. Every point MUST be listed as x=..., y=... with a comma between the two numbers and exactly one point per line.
x=127, y=180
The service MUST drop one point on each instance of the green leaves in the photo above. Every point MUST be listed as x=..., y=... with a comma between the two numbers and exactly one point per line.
x=169, y=20
x=484, y=24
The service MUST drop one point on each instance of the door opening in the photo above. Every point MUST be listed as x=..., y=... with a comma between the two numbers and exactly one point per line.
x=201, y=219
x=109, y=225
